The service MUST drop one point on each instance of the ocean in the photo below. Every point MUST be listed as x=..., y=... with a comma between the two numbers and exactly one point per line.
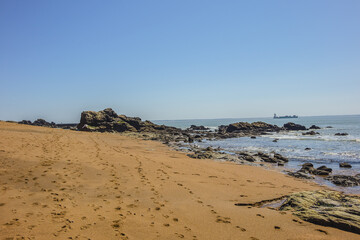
x=325, y=149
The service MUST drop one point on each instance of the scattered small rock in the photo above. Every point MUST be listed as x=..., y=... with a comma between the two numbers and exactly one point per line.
x=345, y=165
x=341, y=134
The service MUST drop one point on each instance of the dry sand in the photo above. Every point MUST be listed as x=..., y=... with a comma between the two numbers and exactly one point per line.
x=61, y=184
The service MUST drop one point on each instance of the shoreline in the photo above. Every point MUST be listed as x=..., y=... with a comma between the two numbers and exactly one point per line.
x=60, y=184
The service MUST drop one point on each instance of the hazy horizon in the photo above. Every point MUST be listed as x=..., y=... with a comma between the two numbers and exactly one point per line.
x=174, y=60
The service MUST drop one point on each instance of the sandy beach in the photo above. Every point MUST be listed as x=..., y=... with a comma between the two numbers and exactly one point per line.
x=62, y=184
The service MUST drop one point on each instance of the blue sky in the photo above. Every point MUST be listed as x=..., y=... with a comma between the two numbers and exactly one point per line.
x=179, y=59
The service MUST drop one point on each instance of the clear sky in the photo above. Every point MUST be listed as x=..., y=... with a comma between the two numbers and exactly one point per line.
x=179, y=59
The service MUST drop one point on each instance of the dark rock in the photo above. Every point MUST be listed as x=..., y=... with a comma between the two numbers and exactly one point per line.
x=329, y=127
x=345, y=165
x=197, y=128
x=310, y=133
x=248, y=158
x=27, y=122
x=344, y=180
x=314, y=127
x=300, y=175
x=307, y=149
x=293, y=127
x=341, y=134
x=322, y=171
x=273, y=158
x=108, y=121
x=275, y=140
x=258, y=127
x=253, y=137
x=307, y=167
x=43, y=123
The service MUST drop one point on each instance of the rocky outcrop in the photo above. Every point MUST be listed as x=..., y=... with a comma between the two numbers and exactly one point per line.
x=108, y=121
x=314, y=127
x=326, y=208
x=293, y=126
x=256, y=127
x=38, y=122
x=345, y=180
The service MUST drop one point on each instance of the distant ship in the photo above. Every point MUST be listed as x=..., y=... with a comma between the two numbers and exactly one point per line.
x=286, y=116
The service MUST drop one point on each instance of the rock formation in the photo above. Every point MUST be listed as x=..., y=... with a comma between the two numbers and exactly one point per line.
x=108, y=121
x=293, y=127
x=326, y=208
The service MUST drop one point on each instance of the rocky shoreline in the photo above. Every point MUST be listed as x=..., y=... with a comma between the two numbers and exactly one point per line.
x=326, y=208
x=184, y=140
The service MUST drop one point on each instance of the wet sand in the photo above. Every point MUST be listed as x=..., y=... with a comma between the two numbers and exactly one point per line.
x=61, y=184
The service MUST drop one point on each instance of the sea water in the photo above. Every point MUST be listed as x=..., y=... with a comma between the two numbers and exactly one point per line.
x=325, y=148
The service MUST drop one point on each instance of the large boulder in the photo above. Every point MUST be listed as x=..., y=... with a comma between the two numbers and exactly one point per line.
x=326, y=208
x=108, y=121
x=293, y=126
x=314, y=127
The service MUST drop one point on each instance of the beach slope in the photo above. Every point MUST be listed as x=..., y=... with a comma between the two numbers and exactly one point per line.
x=61, y=184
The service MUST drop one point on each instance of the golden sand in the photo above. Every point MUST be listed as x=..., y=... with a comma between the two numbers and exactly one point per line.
x=61, y=184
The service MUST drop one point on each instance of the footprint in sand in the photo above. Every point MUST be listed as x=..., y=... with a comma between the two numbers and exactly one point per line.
x=220, y=219
x=322, y=231
x=242, y=229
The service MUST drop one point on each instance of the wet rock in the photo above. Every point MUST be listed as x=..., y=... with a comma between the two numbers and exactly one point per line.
x=248, y=158
x=293, y=127
x=307, y=149
x=323, y=170
x=341, y=134
x=309, y=168
x=198, y=128
x=312, y=133
x=345, y=180
x=326, y=208
x=314, y=127
x=275, y=140
x=299, y=174
x=201, y=155
x=329, y=127
x=253, y=137
x=345, y=165
x=271, y=158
